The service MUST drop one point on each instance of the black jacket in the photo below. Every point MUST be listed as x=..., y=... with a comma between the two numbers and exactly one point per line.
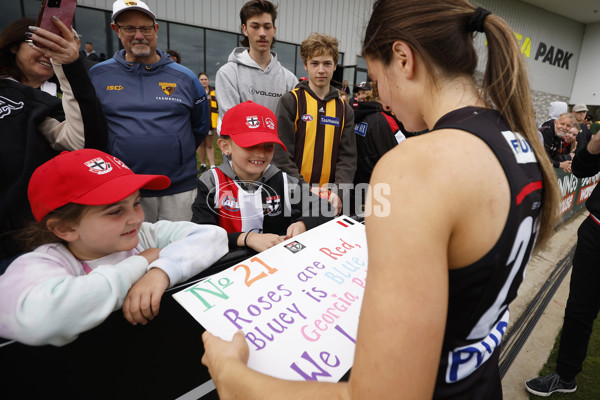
x=35, y=128
x=375, y=136
x=585, y=165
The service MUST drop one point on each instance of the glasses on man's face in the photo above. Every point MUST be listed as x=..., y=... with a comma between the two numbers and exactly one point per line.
x=130, y=30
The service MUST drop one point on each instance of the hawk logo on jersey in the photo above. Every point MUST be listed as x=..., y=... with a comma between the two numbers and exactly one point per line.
x=168, y=88
x=252, y=122
x=273, y=205
x=7, y=106
x=307, y=118
x=98, y=166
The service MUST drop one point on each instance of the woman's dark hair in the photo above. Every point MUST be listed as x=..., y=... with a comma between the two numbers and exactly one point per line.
x=174, y=53
x=37, y=233
x=438, y=32
x=10, y=40
x=253, y=8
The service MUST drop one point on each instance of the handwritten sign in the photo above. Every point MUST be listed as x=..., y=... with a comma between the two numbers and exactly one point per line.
x=298, y=303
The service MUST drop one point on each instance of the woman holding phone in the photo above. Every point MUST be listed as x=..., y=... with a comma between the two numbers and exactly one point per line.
x=37, y=125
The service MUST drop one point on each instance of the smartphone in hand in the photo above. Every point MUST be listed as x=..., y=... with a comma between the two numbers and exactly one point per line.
x=62, y=9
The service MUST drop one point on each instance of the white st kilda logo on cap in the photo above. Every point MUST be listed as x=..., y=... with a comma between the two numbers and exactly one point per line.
x=99, y=166
x=270, y=124
x=252, y=122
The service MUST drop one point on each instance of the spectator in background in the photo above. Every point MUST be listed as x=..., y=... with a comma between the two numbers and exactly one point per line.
x=36, y=125
x=90, y=53
x=360, y=92
x=569, y=146
x=316, y=126
x=580, y=111
x=175, y=56
x=589, y=119
x=253, y=72
x=558, y=149
x=546, y=129
x=206, y=150
x=377, y=132
x=345, y=88
x=157, y=112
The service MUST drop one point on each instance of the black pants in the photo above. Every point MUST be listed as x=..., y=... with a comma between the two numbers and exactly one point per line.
x=583, y=303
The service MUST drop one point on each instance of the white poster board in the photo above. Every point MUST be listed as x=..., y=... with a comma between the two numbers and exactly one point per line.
x=298, y=303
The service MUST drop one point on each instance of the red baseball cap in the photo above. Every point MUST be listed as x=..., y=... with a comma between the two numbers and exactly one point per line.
x=87, y=176
x=249, y=124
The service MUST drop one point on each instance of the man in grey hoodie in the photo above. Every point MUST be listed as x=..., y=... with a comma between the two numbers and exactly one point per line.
x=253, y=72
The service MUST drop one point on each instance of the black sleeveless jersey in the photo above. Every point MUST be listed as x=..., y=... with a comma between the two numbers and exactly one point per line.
x=479, y=294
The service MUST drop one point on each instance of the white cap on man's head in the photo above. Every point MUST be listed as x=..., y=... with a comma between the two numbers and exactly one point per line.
x=579, y=108
x=120, y=6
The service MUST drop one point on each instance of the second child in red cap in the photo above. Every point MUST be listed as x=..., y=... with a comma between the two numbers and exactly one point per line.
x=92, y=252
x=254, y=201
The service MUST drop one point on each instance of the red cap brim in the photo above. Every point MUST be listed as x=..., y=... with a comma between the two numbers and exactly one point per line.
x=254, y=138
x=119, y=188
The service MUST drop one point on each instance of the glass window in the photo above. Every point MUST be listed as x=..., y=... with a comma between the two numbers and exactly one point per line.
x=300, y=71
x=221, y=45
x=361, y=76
x=93, y=27
x=349, y=76
x=32, y=7
x=11, y=11
x=162, y=42
x=188, y=41
x=360, y=62
x=286, y=55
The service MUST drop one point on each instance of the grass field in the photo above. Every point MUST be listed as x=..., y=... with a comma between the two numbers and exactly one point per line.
x=588, y=381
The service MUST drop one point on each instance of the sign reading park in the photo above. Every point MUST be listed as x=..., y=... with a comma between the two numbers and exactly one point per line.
x=298, y=303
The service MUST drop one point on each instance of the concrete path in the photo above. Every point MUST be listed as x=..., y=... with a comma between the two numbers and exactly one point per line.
x=536, y=349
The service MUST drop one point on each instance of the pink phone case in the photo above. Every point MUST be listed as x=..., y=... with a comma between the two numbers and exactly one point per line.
x=62, y=9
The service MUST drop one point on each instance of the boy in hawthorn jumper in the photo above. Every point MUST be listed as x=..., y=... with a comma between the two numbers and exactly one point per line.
x=316, y=126
x=257, y=204
x=93, y=252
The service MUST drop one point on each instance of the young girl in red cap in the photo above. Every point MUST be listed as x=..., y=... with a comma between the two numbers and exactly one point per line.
x=92, y=252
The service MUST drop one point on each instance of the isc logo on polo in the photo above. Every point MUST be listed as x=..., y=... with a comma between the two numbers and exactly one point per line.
x=114, y=87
